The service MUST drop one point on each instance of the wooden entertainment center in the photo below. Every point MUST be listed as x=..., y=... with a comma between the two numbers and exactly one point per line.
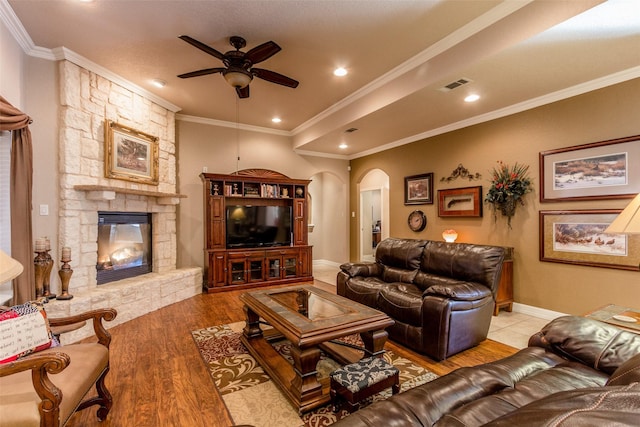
x=248, y=256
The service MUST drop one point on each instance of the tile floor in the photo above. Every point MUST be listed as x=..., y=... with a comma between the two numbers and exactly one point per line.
x=513, y=328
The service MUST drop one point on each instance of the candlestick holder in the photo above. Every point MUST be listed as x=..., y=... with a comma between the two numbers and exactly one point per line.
x=46, y=280
x=65, y=273
x=40, y=265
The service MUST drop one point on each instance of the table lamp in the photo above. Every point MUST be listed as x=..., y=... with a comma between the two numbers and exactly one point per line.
x=449, y=235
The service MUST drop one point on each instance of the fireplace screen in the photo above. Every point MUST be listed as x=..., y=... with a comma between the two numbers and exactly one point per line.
x=124, y=245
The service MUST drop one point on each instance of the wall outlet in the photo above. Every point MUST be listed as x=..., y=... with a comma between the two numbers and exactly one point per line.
x=44, y=210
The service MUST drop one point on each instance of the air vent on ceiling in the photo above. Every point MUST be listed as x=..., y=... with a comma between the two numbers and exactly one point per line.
x=350, y=130
x=455, y=84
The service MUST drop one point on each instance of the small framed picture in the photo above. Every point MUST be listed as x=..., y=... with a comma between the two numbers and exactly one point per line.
x=460, y=202
x=418, y=189
x=578, y=237
x=129, y=154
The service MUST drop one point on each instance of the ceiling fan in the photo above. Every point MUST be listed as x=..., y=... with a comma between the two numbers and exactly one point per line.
x=238, y=68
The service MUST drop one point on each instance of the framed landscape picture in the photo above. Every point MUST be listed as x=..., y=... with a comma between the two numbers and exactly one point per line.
x=578, y=237
x=129, y=154
x=600, y=170
x=460, y=202
x=418, y=189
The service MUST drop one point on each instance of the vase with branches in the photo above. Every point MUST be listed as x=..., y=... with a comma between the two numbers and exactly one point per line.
x=508, y=185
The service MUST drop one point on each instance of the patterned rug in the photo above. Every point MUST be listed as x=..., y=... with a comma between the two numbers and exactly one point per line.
x=251, y=396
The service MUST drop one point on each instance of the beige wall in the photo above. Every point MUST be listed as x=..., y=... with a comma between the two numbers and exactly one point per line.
x=214, y=147
x=600, y=115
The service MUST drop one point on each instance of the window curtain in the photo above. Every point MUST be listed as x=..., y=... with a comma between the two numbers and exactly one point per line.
x=17, y=122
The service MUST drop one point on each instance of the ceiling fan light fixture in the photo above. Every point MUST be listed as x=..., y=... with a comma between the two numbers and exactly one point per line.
x=237, y=78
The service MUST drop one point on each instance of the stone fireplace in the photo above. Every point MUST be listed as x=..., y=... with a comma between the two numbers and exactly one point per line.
x=86, y=101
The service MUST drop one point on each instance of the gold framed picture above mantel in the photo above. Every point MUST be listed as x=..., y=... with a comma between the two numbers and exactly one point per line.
x=129, y=154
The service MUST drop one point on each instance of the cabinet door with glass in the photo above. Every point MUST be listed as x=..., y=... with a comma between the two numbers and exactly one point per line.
x=245, y=268
x=281, y=264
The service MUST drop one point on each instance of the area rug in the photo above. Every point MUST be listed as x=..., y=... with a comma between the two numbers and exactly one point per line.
x=252, y=398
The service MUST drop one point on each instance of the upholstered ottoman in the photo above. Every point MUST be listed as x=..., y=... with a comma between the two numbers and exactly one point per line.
x=358, y=381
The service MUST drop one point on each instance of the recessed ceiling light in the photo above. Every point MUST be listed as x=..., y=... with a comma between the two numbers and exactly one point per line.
x=472, y=98
x=158, y=83
x=340, y=72
x=343, y=146
x=276, y=120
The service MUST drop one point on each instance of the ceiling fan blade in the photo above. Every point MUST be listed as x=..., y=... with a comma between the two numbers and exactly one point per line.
x=203, y=47
x=243, y=92
x=273, y=77
x=203, y=72
x=262, y=52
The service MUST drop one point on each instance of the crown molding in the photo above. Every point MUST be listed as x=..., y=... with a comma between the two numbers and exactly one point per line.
x=610, y=80
x=17, y=30
x=234, y=125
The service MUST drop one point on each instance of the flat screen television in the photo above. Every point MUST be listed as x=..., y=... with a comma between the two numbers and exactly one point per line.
x=250, y=226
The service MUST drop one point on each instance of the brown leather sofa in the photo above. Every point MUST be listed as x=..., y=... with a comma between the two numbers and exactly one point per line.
x=575, y=372
x=441, y=295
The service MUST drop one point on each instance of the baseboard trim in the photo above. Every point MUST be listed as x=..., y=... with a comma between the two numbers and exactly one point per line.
x=542, y=313
x=327, y=263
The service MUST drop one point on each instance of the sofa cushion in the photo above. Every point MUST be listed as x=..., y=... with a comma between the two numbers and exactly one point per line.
x=362, y=269
x=24, y=329
x=400, y=253
x=626, y=373
x=402, y=302
x=599, y=345
x=364, y=290
x=462, y=261
x=393, y=274
x=460, y=291
x=587, y=407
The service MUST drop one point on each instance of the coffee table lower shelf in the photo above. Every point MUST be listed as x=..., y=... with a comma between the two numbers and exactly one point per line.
x=311, y=395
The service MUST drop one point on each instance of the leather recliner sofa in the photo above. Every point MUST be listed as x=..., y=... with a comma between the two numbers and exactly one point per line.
x=575, y=372
x=441, y=295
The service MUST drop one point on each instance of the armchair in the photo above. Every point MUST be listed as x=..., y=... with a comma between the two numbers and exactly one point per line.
x=45, y=388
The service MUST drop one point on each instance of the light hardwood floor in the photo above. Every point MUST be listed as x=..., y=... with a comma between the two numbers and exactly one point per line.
x=158, y=379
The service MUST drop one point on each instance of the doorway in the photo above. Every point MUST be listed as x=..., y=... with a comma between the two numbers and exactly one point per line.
x=374, y=212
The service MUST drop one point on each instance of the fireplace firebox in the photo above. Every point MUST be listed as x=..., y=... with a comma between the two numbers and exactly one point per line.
x=124, y=245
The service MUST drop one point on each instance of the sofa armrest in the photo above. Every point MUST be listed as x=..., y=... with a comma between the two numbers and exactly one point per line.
x=596, y=344
x=365, y=269
x=97, y=316
x=40, y=365
x=460, y=291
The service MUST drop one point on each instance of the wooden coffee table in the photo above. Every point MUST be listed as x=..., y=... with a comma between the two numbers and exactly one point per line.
x=309, y=318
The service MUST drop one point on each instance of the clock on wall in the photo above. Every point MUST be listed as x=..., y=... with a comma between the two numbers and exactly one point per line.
x=417, y=221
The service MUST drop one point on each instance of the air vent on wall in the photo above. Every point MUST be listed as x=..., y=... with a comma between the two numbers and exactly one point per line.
x=350, y=130
x=456, y=84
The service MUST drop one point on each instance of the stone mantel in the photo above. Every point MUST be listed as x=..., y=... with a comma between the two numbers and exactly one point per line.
x=105, y=192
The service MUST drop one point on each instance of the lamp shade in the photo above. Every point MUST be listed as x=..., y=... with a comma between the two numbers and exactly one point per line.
x=628, y=222
x=9, y=268
x=449, y=235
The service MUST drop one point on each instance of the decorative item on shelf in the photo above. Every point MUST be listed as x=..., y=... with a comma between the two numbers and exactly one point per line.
x=508, y=186
x=461, y=172
x=299, y=192
x=65, y=273
x=216, y=190
x=449, y=235
x=285, y=192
